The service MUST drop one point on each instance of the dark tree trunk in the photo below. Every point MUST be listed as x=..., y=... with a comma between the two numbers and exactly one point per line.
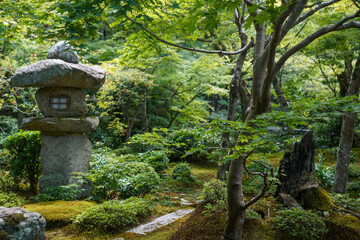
x=297, y=168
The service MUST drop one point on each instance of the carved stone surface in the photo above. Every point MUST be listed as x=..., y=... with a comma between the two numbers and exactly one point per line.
x=62, y=50
x=60, y=125
x=58, y=73
x=20, y=224
x=61, y=156
x=75, y=96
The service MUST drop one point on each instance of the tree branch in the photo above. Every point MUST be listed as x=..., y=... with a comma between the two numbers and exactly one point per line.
x=340, y=25
x=250, y=44
x=318, y=7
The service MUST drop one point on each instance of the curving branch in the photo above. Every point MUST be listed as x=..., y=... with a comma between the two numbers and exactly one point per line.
x=244, y=49
x=267, y=184
x=340, y=25
x=318, y=7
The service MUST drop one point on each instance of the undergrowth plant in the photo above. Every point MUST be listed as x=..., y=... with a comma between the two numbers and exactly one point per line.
x=300, y=224
x=114, y=214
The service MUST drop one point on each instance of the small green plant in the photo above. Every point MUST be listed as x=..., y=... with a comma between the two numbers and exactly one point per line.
x=157, y=159
x=114, y=214
x=182, y=172
x=354, y=171
x=345, y=201
x=300, y=224
x=66, y=193
x=10, y=199
x=251, y=214
x=214, y=190
x=121, y=179
x=354, y=187
x=324, y=173
x=214, y=194
x=24, y=164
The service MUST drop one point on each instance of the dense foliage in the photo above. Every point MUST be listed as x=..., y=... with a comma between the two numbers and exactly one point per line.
x=24, y=164
x=300, y=224
x=114, y=214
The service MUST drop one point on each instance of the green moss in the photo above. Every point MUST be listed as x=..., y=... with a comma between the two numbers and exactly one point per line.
x=342, y=226
x=316, y=198
x=59, y=213
x=14, y=219
x=3, y=235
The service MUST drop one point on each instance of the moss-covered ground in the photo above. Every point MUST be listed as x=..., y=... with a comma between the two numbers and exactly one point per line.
x=59, y=214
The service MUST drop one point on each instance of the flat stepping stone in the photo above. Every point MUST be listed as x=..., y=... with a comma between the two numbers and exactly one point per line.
x=160, y=222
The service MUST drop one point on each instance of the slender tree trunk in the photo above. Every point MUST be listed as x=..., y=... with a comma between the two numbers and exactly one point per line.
x=144, y=114
x=234, y=96
x=346, y=136
x=236, y=214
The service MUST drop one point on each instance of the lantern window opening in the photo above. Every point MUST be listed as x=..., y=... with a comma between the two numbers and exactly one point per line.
x=60, y=103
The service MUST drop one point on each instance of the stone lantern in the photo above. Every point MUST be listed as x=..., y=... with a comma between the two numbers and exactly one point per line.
x=61, y=99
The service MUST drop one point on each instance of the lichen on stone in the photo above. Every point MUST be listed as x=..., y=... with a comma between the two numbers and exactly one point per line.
x=3, y=235
x=14, y=219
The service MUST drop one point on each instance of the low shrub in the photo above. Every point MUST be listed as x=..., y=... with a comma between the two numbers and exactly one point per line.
x=214, y=195
x=214, y=190
x=252, y=215
x=122, y=179
x=66, y=193
x=157, y=159
x=300, y=224
x=354, y=187
x=182, y=172
x=324, y=173
x=354, y=171
x=10, y=199
x=24, y=163
x=114, y=214
x=345, y=201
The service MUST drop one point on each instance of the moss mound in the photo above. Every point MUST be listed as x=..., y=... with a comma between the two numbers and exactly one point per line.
x=201, y=227
x=343, y=226
x=59, y=213
x=211, y=227
x=316, y=198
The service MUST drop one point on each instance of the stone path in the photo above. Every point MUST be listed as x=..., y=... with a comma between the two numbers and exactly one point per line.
x=160, y=222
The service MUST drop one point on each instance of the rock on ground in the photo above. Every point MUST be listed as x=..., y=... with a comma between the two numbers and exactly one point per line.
x=160, y=222
x=20, y=224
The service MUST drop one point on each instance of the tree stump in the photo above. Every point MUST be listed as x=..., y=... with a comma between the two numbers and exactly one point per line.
x=297, y=174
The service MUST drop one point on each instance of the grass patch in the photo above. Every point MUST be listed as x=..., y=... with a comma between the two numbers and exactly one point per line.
x=59, y=213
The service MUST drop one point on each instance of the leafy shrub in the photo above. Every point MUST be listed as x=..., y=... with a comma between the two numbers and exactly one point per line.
x=188, y=144
x=214, y=195
x=219, y=206
x=182, y=172
x=145, y=142
x=251, y=214
x=354, y=171
x=10, y=199
x=114, y=214
x=4, y=158
x=24, y=148
x=122, y=179
x=214, y=190
x=353, y=187
x=66, y=193
x=300, y=224
x=157, y=159
x=8, y=124
x=345, y=201
x=324, y=173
